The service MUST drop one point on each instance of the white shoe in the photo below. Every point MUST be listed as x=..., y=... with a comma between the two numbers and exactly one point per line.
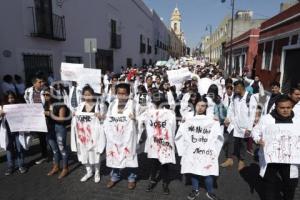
x=40, y=161
x=86, y=177
x=97, y=178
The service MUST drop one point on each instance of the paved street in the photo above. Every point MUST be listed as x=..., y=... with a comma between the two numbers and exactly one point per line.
x=36, y=185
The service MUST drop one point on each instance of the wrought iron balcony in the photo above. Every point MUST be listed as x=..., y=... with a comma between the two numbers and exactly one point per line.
x=48, y=25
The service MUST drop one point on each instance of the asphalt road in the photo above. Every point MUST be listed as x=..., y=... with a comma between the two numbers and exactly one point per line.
x=230, y=185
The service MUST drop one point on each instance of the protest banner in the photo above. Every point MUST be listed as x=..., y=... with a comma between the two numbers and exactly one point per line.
x=282, y=143
x=121, y=141
x=71, y=72
x=178, y=76
x=199, y=141
x=91, y=77
x=25, y=117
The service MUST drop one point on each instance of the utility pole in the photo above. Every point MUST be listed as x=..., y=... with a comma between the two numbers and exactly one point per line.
x=209, y=26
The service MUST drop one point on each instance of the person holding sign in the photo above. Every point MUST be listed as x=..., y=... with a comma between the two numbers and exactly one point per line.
x=87, y=137
x=199, y=141
x=160, y=125
x=33, y=95
x=278, y=135
x=121, y=133
x=11, y=141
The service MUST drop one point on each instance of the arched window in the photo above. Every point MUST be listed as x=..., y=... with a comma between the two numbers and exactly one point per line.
x=175, y=27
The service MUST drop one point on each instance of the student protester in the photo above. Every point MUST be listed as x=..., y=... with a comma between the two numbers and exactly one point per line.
x=88, y=140
x=123, y=146
x=280, y=180
x=270, y=100
x=57, y=118
x=34, y=94
x=295, y=96
x=240, y=119
x=160, y=123
x=187, y=148
x=11, y=141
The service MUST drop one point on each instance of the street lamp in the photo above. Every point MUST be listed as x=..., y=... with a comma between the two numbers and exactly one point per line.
x=209, y=26
x=231, y=35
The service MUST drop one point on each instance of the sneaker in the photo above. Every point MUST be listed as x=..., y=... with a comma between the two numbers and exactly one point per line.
x=97, y=177
x=150, y=186
x=212, y=196
x=86, y=177
x=166, y=190
x=193, y=195
x=40, y=161
x=22, y=170
x=8, y=171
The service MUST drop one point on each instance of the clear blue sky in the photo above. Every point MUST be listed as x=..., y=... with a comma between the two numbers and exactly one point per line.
x=197, y=14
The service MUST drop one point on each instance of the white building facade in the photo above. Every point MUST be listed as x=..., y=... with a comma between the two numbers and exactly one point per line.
x=40, y=34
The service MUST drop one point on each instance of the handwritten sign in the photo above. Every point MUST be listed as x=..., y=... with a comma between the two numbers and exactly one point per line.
x=84, y=126
x=121, y=142
x=178, y=76
x=91, y=77
x=199, y=141
x=25, y=117
x=71, y=72
x=282, y=144
x=160, y=128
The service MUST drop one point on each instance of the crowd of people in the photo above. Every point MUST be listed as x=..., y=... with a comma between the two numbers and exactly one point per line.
x=232, y=112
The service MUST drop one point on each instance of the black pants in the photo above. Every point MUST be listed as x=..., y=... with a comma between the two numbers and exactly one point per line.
x=156, y=167
x=228, y=146
x=43, y=144
x=277, y=183
x=240, y=148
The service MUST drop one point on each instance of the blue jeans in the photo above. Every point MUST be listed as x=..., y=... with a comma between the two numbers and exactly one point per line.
x=14, y=150
x=209, y=183
x=116, y=175
x=56, y=138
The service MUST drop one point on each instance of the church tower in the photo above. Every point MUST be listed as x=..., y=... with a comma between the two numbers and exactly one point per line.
x=176, y=22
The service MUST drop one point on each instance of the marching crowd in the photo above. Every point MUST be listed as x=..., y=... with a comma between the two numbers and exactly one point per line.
x=194, y=120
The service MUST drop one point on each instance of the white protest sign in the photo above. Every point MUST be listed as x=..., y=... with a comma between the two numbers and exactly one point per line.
x=91, y=77
x=70, y=71
x=25, y=117
x=121, y=143
x=199, y=141
x=282, y=143
x=178, y=76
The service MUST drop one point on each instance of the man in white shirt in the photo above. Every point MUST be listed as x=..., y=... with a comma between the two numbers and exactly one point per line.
x=295, y=96
x=240, y=118
x=280, y=178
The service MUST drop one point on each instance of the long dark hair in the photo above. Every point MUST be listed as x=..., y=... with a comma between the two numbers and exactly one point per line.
x=9, y=93
x=213, y=93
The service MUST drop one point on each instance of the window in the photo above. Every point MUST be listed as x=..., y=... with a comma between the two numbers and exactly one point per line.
x=175, y=27
x=46, y=24
x=34, y=64
x=267, y=56
x=113, y=25
x=73, y=59
x=115, y=39
x=129, y=62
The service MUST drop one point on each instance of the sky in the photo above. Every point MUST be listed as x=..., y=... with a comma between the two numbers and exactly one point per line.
x=197, y=14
